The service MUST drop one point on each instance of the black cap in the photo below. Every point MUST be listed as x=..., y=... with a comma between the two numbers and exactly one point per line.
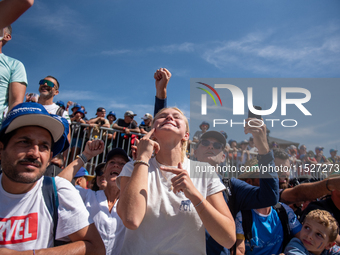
x=117, y=151
x=99, y=167
x=100, y=109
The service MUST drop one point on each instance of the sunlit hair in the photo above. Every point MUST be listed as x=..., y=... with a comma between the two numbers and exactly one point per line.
x=326, y=219
x=184, y=143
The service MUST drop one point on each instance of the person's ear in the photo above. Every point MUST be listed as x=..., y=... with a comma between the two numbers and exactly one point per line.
x=7, y=37
x=186, y=136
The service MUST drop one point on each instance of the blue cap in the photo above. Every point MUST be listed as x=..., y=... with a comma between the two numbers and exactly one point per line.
x=333, y=150
x=111, y=113
x=83, y=172
x=60, y=103
x=32, y=114
x=76, y=106
x=62, y=144
x=204, y=123
x=81, y=111
x=230, y=141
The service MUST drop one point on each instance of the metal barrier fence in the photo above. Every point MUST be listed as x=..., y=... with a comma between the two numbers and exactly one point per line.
x=81, y=133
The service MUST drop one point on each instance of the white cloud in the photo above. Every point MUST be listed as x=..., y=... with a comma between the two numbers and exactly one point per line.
x=61, y=20
x=173, y=48
x=315, y=51
x=76, y=95
x=270, y=53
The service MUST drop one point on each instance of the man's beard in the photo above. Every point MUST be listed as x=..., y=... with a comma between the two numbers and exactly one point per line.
x=11, y=172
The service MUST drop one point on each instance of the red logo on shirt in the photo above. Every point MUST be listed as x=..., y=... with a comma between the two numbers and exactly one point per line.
x=18, y=229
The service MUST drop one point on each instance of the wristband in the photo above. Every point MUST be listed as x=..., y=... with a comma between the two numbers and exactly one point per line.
x=124, y=128
x=83, y=158
x=199, y=203
x=141, y=162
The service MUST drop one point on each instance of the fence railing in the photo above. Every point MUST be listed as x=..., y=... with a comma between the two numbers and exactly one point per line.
x=81, y=133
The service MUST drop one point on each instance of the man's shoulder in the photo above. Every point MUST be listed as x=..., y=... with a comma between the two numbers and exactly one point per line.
x=10, y=60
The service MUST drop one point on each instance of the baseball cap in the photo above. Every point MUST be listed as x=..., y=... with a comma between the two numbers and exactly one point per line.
x=129, y=113
x=112, y=113
x=224, y=133
x=204, y=123
x=60, y=103
x=98, y=168
x=147, y=116
x=117, y=151
x=83, y=172
x=81, y=111
x=332, y=150
x=214, y=134
x=32, y=114
x=319, y=148
x=244, y=142
x=62, y=144
x=76, y=106
x=231, y=141
x=100, y=109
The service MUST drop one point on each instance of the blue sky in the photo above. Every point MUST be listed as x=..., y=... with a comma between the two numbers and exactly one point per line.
x=104, y=53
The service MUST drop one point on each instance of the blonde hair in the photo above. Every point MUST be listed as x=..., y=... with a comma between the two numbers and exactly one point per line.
x=184, y=142
x=326, y=219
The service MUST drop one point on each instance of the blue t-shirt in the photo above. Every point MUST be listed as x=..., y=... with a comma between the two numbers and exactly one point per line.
x=296, y=247
x=267, y=231
x=11, y=70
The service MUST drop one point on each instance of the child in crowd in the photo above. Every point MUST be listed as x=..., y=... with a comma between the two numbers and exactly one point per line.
x=317, y=236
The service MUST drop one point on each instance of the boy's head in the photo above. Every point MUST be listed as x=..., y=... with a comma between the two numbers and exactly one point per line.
x=319, y=231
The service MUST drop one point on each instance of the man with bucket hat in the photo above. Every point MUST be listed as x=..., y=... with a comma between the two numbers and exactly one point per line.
x=38, y=210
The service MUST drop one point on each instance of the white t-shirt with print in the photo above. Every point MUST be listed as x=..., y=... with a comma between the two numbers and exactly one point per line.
x=171, y=224
x=109, y=225
x=53, y=108
x=26, y=224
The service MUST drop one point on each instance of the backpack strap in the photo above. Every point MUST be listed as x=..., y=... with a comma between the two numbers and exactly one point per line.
x=227, y=192
x=282, y=213
x=247, y=223
x=60, y=112
x=50, y=195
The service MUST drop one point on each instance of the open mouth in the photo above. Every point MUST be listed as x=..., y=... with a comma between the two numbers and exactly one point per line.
x=114, y=173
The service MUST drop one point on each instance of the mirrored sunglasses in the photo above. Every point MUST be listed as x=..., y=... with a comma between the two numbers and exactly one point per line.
x=49, y=83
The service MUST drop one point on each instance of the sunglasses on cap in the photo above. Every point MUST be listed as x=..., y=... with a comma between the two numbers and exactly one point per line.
x=49, y=83
x=216, y=145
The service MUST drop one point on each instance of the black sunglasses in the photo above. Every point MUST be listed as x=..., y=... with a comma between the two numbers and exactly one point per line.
x=216, y=145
